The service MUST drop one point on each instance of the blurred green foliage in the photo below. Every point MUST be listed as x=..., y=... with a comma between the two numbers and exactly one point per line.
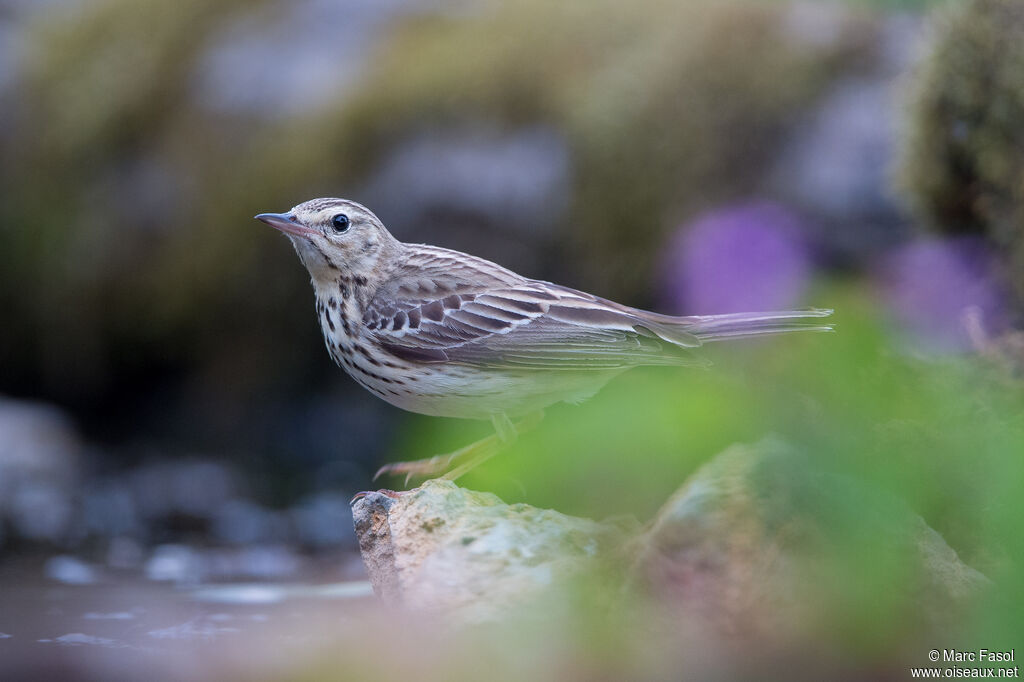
x=963, y=158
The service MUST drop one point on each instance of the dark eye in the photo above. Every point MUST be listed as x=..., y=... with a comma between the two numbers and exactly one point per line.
x=340, y=222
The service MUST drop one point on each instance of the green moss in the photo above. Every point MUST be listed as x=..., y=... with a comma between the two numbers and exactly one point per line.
x=963, y=162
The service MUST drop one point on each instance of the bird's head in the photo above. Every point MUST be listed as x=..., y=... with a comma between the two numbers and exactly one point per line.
x=335, y=236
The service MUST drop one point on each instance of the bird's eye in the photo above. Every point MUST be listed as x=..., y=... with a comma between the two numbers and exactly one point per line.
x=340, y=222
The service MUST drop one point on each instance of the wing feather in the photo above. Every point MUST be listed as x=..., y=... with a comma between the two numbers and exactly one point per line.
x=445, y=307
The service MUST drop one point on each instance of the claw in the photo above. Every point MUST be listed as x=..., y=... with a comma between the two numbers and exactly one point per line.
x=420, y=467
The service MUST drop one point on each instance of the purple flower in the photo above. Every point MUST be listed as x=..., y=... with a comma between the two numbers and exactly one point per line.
x=929, y=287
x=737, y=259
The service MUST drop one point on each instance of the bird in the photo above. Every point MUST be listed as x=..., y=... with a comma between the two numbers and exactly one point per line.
x=447, y=334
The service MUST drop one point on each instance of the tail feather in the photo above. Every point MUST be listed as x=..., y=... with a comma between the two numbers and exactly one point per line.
x=743, y=325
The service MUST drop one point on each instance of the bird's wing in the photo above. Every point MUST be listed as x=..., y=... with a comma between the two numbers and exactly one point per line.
x=472, y=312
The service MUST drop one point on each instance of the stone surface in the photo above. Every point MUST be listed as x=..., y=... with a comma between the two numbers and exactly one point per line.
x=751, y=545
x=444, y=548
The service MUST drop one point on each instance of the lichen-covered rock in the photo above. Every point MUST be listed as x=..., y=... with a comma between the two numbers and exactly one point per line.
x=444, y=548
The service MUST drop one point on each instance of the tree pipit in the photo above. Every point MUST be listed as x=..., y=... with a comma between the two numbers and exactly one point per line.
x=447, y=334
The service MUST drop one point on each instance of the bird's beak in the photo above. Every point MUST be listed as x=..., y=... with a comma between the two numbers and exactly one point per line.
x=286, y=222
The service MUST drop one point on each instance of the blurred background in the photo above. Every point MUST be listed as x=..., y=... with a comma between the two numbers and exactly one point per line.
x=169, y=415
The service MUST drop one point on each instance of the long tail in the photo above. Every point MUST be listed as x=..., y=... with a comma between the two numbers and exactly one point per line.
x=692, y=331
x=743, y=325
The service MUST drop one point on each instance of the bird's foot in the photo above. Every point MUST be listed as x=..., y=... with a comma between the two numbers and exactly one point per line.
x=436, y=465
x=419, y=467
x=506, y=433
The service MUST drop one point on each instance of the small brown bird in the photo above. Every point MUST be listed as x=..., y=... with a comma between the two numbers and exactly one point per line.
x=447, y=334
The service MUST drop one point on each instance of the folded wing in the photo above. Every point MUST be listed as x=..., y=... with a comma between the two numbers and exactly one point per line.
x=523, y=324
x=442, y=306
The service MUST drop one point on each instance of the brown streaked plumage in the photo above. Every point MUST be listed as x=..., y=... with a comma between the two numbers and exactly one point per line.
x=444, y=333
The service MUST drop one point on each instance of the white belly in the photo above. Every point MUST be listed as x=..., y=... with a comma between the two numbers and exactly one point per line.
x=472, y=393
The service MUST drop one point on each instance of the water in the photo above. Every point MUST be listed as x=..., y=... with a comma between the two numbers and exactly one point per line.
x=122, y=625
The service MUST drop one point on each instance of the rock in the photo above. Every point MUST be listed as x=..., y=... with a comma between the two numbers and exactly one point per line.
x=443, y=548
x=39, y=460
x=70, y=570
x=752, y=542
x=757, y=543
x=175, y=563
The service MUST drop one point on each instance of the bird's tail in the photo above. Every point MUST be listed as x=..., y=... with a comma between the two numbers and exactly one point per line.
x=744, y=325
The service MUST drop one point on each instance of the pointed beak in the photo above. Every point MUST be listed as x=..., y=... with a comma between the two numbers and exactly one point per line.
x=286, y=222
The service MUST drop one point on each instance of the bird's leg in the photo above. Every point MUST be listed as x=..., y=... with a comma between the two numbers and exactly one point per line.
x=505, y=433
x=504, y=428
x=436, y=464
